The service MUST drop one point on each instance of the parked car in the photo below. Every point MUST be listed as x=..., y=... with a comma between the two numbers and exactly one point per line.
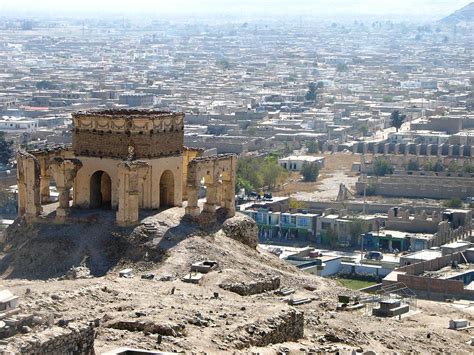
x=374, y=255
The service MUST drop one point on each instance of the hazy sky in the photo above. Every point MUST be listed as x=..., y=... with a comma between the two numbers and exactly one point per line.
x=429, y=8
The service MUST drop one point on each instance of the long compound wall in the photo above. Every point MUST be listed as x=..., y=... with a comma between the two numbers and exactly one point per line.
x=447, y=150
x=431, y=288
x=418, y=186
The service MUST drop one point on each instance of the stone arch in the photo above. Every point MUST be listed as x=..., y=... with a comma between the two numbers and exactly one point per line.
x=167, y=189
x=100, y=190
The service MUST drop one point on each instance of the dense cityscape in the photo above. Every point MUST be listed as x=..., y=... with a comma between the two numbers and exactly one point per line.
x=254, y=184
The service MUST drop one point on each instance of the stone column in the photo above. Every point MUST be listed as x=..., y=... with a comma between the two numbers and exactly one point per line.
x=450, y=150
x=28, y=177
x=44, y=160
x=334, y=148
x=429, y=147
x=376, y=148
x=461, y=150
x=211, y=199
x=131, y=175
x=386, y=148
x=397, y=148
x=417, y=150
x=354, y=148
x=192, y=208
x=364, y=148
x=64, y=172
x=229, y=189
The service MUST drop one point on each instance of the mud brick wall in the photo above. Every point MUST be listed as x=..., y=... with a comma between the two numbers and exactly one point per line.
x=74, y=339
x=115, y=144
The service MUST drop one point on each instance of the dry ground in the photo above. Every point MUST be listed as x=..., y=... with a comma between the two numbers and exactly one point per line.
x=177, y=304
x=337, y=170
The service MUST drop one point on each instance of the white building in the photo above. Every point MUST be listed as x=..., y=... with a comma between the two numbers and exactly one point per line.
x=295, y=163
x=13, y=125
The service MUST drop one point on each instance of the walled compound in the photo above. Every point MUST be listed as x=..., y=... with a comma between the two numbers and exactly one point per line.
x=125, y=160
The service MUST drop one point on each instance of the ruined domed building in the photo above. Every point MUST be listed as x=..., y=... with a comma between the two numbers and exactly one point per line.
x=125, y=160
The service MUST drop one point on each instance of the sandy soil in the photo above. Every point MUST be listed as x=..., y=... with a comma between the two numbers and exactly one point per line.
x=337, y=170
x=204, y=322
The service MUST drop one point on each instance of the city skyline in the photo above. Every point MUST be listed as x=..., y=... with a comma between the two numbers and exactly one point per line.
x=334, y=8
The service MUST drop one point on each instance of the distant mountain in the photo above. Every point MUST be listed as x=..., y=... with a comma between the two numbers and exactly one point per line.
x=463, y=15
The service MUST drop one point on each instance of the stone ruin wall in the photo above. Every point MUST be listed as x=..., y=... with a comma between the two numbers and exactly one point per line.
x=74, y=339
x=111, y=134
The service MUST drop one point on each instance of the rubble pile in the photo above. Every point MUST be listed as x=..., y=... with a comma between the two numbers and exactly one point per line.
x=287, y=326
x=253, y=287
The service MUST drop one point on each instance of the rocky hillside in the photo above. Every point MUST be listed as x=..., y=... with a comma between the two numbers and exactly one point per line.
x=234, y=308
x=464, y=15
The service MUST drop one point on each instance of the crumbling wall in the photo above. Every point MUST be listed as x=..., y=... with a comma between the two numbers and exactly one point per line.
x=77, y=339
x=287, y=326
x=254, y=287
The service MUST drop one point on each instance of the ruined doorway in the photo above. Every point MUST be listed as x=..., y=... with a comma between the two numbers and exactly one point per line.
x=167, y=189
x=101, y=190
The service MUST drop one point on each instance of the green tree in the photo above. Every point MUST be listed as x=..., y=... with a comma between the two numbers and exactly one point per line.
x=454, y=203
x=387, y=98
x=45, y=85
x=397, y=119
x=223, y=64
x=297, y=204
x=342, y=67
x=364, y=130
x=413, y=165
x=312, y=147
x=468, y=169
x=6, y=150
x=382, y=167
x=272, y=172
x=310, y=171
x=311, y=94
x=331, y=237
x=453, y=167
x=437, y=167
x=357, y=226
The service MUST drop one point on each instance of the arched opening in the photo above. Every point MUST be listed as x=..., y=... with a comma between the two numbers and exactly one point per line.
x=101, y=190
x=167, y=189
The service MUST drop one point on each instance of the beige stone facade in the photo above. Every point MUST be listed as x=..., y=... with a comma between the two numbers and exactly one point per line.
x=126, y=161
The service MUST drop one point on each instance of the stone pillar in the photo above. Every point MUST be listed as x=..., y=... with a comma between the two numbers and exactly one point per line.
x=64, y=172
x=440, y=151
x=228, y=201
x=376, y=148
x=354, y=148
x=334, y=148
x=397, y=148
x=407, y=149
x=211, y=199
x=44, y=160
x=461, y=151
x=28, y=178
x=364, y=148
x=429, y=147
x=131, y=175
x=417, y=150
x=450, y=150
x=386, y=148
x=192, y=208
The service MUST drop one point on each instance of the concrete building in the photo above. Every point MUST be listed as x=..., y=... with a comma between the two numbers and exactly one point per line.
x=295, y=163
